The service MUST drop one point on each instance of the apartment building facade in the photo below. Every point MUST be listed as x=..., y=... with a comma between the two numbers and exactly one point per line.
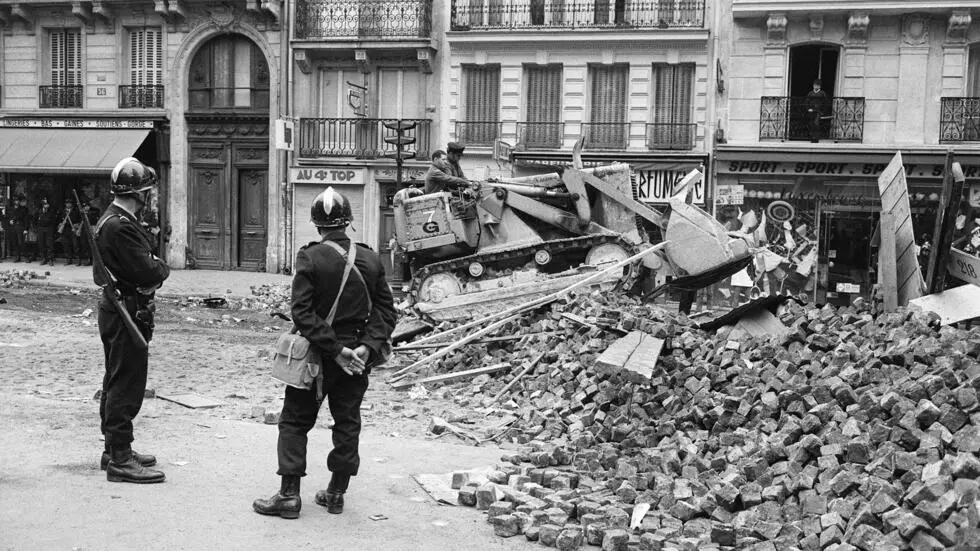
x=804, y=160
x=363, y=73
x=528, y=78
x=188, y=87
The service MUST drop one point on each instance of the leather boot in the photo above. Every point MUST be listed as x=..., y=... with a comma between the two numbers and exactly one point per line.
x=333, y=497
x=143, y=459
x=123, y=467
x=285, y=504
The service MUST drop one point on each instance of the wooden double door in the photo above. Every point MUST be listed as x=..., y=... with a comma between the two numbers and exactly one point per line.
x=228, y=203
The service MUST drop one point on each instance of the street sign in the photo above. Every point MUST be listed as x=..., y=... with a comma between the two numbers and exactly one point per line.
x=964, y=266
x=284, y=134
x=405, y=155
x=400, y=140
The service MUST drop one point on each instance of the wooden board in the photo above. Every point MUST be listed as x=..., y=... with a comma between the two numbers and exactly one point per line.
x=760, y=323
x=887, y=270
x=453, y=376
x=942, y=241
x=964, y=266
x=193, y=401
x=953, y=305
x=615, y=357
x=634, y=356
x=408, y=329
x=895, y=200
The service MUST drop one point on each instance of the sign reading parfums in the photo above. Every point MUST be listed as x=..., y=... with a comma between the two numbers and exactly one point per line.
x=656, y=184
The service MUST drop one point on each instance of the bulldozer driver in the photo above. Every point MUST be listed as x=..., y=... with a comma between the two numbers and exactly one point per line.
x=439, y=177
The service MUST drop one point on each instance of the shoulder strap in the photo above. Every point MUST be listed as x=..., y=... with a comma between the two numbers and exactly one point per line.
x=343, y=281
x=106, y=218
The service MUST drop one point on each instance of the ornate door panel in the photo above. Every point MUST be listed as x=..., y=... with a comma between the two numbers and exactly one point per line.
x=251, y=218
x=207, y=213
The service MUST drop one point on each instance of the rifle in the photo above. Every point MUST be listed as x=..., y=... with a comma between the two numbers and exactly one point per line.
x=104, y=280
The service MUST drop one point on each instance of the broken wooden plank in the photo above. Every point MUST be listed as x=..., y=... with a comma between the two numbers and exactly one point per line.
x=193, y=401
x=519, y=376
x=416, y=347
x=615, y=357
x=641, y=363
x=894, y=191
x=887, y=270
x=408, y=329
x=760, y=323
x=952, y=305
x=942, y=235
x=453, y=376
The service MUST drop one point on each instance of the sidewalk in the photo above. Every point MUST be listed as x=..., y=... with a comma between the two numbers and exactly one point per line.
x=180, y=283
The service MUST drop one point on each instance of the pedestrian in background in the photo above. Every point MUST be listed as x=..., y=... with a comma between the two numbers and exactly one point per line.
x=45, y=223
x=364, y=320
x=20, y=224
x=127, y=251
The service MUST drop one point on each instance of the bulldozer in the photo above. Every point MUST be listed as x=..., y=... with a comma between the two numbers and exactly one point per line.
x=507, y=241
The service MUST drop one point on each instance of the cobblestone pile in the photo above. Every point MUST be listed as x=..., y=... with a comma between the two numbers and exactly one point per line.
x=854, y=431
x=18, y=278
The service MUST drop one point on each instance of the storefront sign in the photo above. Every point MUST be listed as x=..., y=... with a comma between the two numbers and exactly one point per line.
x=848, y=288
x=328, y=176
x=75, y=123
x=730, y=194
x=869, y=170
x=655, y=184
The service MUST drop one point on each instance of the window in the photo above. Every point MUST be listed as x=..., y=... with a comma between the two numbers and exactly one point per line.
x=672, y=96
x=543, y=127
x=145, y=69
x=481, y=105
x=608, y=128
x=229, y=72
x=65, y=90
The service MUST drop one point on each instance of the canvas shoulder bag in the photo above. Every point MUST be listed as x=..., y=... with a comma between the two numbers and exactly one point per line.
x=295, y=360
x=384, y=354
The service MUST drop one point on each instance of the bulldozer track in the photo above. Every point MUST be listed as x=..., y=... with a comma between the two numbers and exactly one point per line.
x=554, y=247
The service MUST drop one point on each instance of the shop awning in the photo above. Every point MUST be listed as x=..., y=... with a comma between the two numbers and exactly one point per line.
x=64, y=151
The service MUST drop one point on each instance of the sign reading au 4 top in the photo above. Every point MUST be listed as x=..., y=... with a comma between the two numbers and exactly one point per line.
x=656, y=183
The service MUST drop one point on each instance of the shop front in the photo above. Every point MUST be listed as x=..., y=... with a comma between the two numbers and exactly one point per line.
x=52, y=159
x=815, y=216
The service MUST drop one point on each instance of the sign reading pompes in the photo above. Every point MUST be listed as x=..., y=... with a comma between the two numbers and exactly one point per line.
x=328, y=176
x=656, y=183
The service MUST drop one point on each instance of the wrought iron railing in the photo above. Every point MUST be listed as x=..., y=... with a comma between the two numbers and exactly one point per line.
x=360, y=138
x=140, y=96
x=541, y=135
x=222, y=98
x=363, y=19
x=811, y=118
x=662, y=135
x=959, y=120
x=482, y=133
x=60, y=96
x=523, y=14
x=606, y=135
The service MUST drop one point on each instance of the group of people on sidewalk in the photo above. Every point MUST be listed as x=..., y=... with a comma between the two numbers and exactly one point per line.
x=31, y=235
x=360, y=309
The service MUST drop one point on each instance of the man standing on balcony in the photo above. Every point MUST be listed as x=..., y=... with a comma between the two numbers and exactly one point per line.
x=455, y=153
x=816, y=105
x=439, y=177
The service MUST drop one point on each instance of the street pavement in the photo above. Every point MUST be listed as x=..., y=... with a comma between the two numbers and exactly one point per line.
x=180, y=283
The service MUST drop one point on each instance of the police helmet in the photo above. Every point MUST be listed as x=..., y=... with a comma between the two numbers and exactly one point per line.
x=130, y=176
x=331, y=209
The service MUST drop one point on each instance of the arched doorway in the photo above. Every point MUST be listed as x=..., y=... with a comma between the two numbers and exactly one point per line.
x=227, y=116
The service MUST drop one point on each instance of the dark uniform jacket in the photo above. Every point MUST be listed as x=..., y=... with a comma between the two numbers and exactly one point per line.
x=319, y=269
x=21, y=218
x=46, y=219
x=74, y=219
x=127, y=251
x=456, y=170
x=436, y=180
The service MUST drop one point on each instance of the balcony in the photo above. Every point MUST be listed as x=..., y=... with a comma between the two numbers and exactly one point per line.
x=358, y=138
x=541, y=135
x=363, y=19
x=959, y=120
x=141, y=97
x=63, y=97
x=676, y=136
x=470, y=15
x=811, y=119
x=606, y=135
x=478, y=133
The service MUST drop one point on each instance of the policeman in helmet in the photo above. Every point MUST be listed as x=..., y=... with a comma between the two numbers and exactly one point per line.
x=349, y=345
x=127, y=251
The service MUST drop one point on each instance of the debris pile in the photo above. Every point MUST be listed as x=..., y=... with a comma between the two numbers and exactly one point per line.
x=270, y=298
x=850, y=431
x=18, y=278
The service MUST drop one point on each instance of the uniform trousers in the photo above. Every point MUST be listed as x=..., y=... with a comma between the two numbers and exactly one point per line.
x=16, y=242
x=45, y=240
x=73, y=245
x=124, y=383
x=343, y=394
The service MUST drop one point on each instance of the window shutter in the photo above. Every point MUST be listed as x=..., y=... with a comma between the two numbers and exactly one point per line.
x=482, y=103
x=672, y=100
x=57, y=58
x=73, y=58
x=156, y=65
x=544, y=127
x=608, y=128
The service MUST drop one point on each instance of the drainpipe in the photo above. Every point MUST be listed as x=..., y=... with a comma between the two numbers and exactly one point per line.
x=285, y=264
x=712, y=122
